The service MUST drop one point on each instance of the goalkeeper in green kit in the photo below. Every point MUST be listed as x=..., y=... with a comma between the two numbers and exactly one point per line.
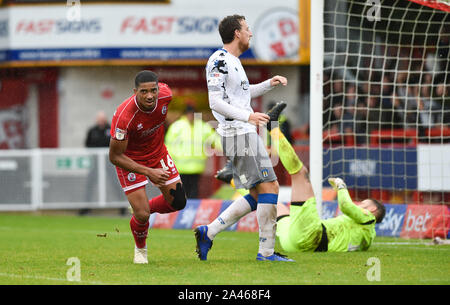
x=300, y=229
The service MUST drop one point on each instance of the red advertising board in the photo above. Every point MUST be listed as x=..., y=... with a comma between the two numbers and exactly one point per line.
x=248, y=223
x=207, y=211
x=422, y=221
x=165, y=221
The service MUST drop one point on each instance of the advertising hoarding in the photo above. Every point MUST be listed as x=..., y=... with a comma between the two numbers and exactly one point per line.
x=179, y=30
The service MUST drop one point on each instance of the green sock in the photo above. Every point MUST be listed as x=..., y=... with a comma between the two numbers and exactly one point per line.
x=287, y=154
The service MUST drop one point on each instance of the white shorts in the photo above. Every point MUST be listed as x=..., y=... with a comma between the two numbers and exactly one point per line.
x=251, y=162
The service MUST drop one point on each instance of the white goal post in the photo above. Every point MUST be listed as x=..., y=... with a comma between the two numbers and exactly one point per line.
x=316, y=100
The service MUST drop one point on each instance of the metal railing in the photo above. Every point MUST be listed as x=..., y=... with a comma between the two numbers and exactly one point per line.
x=58, y=179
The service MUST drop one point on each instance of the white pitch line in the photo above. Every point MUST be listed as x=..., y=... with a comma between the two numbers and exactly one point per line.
x=399, y=243
x=37, y=277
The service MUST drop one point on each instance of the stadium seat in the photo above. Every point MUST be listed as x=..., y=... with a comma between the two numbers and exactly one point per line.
x=392, y=136
x=438, y=134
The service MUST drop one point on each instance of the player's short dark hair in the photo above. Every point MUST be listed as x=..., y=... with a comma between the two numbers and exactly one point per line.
x=228, y=25
x=381, y=210
x=145, y=76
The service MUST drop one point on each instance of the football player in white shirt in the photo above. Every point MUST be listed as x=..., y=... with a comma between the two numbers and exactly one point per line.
x=230, y=95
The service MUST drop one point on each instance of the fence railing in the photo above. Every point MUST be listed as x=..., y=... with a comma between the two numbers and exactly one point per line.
x=58, y=179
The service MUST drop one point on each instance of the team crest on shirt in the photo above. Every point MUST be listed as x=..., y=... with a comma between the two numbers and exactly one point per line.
x=164, y=109
x=265, y=173
x=120, y=134
x=131, y=177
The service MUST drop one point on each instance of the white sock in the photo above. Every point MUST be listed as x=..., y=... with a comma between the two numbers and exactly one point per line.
x=266, y=213
x=238, y=209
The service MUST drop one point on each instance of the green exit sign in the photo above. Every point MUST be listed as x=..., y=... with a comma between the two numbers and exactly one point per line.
x=71, y=162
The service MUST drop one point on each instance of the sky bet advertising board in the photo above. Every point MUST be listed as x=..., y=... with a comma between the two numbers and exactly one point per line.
x=401, y=220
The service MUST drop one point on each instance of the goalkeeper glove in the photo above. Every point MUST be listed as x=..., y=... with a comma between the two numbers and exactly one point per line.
x=337, y=183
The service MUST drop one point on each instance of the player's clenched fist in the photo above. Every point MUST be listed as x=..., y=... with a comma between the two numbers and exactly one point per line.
x=277, y=80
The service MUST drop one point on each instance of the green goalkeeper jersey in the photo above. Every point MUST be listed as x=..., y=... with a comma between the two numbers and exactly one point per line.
x=352, y=231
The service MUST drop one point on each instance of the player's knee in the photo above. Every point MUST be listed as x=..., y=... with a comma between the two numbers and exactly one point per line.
x=141, y=215
x=274, y=187
x=271, y=187
x=179, y=197
x=179, y=204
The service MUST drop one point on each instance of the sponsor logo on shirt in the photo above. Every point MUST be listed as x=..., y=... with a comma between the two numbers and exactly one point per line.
x=150, y=131
x=244, y=84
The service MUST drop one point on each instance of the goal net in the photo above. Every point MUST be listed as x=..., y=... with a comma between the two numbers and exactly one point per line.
x=386, y=99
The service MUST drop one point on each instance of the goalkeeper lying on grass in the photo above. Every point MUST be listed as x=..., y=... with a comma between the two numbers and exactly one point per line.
x=299, y=228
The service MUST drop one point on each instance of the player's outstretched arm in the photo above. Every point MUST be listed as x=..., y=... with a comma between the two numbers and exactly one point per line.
x=346, y=204
x=262, y=88
x=117, y=157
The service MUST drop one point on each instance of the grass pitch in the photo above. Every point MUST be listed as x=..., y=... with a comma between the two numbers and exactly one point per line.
x=35, y=249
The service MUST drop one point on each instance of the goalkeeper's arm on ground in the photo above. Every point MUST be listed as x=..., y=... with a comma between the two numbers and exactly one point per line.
x=346, y=204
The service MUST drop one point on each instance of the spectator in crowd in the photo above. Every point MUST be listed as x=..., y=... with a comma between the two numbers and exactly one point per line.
x=99, y=134
x=400, y=84
x=406, y=94
x=350, y=95
x=338, y=92
x=399, y=111
x=334, y=95
x=405, y=107
x=360, y=126
x=374, y=114
x=428, y=110
x=387, y=87
x=389, y=118
x=442, y=97
x=186, y=140
x=411, y=101
x=326, y=99
x=443, y=49
x=341, y=121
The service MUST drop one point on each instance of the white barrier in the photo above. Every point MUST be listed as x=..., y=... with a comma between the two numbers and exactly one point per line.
x=58, y=179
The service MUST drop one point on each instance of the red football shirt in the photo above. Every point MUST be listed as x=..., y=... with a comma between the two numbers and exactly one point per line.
x=143, y=129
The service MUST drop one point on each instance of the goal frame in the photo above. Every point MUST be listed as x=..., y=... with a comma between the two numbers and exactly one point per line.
x=316, y=100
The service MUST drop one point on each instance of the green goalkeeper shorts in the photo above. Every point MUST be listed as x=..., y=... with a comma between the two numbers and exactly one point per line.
x=302, y=229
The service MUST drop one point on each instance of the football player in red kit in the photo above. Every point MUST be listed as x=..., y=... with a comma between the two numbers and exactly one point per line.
x=137, y=150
